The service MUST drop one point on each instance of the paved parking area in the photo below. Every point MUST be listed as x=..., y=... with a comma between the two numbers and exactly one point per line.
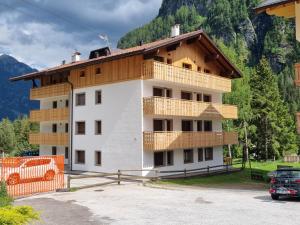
x=132, y=203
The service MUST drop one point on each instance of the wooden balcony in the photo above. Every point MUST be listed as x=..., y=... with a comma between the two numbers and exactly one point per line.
x=47, y=115
x=165, y=72
x=298, y=122
x=49, y=91
x=297, y=74
x=55, y=139
x=154, y=141
x=178, y=107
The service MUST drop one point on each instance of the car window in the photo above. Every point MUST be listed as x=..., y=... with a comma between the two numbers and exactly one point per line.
x=296, y=174
x=31, y=163
x=288, y=174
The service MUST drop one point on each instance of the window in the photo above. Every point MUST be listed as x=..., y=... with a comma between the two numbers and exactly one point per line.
x=98, y=97
x=82, y=73
x=170, y=158
x=199, y=125
x=187, y=125
x=98, y=127
x=199, y=97
x=206, y=71
x=98, y=71
x=200, y=154
x=54, y=128
x=54, y=150
x=187, y=66
x=54, y=104
x=80, y=127
x=159, y=159
x=80, y=157
x=66, y=127
x=209, y=154
x=159, y=59
x=207, y=125
x=186, y=95
x=169, y=61
x=162, y=125
x=80, y=99
x=199, y=69
x=162, y=92
x=188, y=155
x=98, y=158
x=67, y=103
x=66, y=152
x=207, y=98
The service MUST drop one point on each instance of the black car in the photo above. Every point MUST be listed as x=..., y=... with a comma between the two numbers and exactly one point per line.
x=285, y=182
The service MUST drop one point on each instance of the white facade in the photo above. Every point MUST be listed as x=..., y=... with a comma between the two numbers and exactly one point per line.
x=122, y=126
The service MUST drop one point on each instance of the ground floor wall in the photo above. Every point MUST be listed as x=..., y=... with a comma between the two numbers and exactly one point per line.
x=178, y=161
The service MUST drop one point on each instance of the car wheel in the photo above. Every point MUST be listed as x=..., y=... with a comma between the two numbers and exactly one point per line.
x=13, y=179
x=49, y=175
x=275, y=197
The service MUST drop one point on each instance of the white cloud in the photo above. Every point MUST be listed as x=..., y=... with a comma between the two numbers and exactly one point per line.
x=43, y=32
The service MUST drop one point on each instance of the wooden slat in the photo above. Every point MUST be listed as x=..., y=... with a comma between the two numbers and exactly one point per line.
x=50, y=91
x=179, y=107
x=43, y=115
x=297, y=74
x=177, y=139
x=57, y=139
x=165, y=72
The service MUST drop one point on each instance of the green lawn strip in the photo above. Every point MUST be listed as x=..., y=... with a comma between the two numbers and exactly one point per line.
x=242, y=178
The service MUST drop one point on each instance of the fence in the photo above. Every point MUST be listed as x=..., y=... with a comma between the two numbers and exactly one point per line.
x=291, y=158
x=29, y=175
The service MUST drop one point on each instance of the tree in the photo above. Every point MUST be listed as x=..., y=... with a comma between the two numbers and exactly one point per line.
x=275, y=133
x=7, y=136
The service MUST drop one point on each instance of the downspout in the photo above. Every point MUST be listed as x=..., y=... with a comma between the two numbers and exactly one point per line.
x=71, y=126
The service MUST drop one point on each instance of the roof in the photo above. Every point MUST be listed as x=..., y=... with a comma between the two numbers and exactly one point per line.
x=271, y=3
x=137, y=50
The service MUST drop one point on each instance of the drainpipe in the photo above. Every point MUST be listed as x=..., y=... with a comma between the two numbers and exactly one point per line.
x=71, y=126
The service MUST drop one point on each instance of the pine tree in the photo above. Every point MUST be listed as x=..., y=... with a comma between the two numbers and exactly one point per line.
x=275, y=129
x=7, y=136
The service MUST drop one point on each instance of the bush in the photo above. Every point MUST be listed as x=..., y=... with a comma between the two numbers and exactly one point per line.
x=5, y=199
x=17, y=215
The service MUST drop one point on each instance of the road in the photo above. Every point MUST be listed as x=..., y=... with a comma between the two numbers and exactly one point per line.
x=132, y=203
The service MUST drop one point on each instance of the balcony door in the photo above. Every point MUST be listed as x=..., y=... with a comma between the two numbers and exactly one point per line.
x=162, y=92
x=162, y=125
x=187, y=125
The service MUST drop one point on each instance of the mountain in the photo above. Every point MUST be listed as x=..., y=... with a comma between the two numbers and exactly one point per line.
x=14, y=97
x=234, y=25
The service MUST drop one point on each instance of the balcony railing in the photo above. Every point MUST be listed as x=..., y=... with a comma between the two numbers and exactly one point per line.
x=297, y=74
x=165, y=72
x=50, y=91
x=56, y=139
x=177, y=139
x=178, y=107
x=44, y=115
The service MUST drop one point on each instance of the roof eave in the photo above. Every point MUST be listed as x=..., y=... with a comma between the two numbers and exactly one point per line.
x=261, y=9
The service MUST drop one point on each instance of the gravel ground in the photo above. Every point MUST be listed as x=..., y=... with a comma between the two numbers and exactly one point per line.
x=132, y=203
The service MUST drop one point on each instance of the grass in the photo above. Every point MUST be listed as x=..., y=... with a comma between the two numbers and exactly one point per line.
x=240, y=179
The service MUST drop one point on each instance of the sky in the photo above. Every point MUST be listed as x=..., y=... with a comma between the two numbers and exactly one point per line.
x=42, y=33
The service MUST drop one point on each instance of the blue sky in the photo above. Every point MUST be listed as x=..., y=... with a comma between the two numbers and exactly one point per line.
x=42, y=33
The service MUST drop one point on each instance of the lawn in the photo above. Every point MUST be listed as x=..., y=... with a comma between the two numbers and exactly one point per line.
x=240, y=179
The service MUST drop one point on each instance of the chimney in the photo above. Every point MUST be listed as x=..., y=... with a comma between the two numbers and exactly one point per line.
x=76, y=57
x=175, y=30
x=63, y=62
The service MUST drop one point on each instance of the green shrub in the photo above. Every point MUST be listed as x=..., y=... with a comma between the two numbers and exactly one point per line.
x=18, y=215
x=5, y=199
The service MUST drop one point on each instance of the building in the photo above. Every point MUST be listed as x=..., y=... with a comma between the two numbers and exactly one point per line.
x=289, y=9
x=156, y=105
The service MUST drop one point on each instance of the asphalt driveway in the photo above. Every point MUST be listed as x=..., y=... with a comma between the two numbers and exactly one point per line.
x=132, y=203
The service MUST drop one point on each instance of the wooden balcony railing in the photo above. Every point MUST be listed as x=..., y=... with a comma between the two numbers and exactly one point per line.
x=43, y=115
x=56, y=139
x=297, y=74
x=165, y=72
x=50, y=91
x=298, y=122
x=177, y=139
x=178, y=107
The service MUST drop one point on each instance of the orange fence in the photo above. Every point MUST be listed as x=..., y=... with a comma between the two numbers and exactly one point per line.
x=29, y=175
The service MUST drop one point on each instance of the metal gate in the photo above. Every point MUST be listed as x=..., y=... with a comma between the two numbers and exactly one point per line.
x=29, y=175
